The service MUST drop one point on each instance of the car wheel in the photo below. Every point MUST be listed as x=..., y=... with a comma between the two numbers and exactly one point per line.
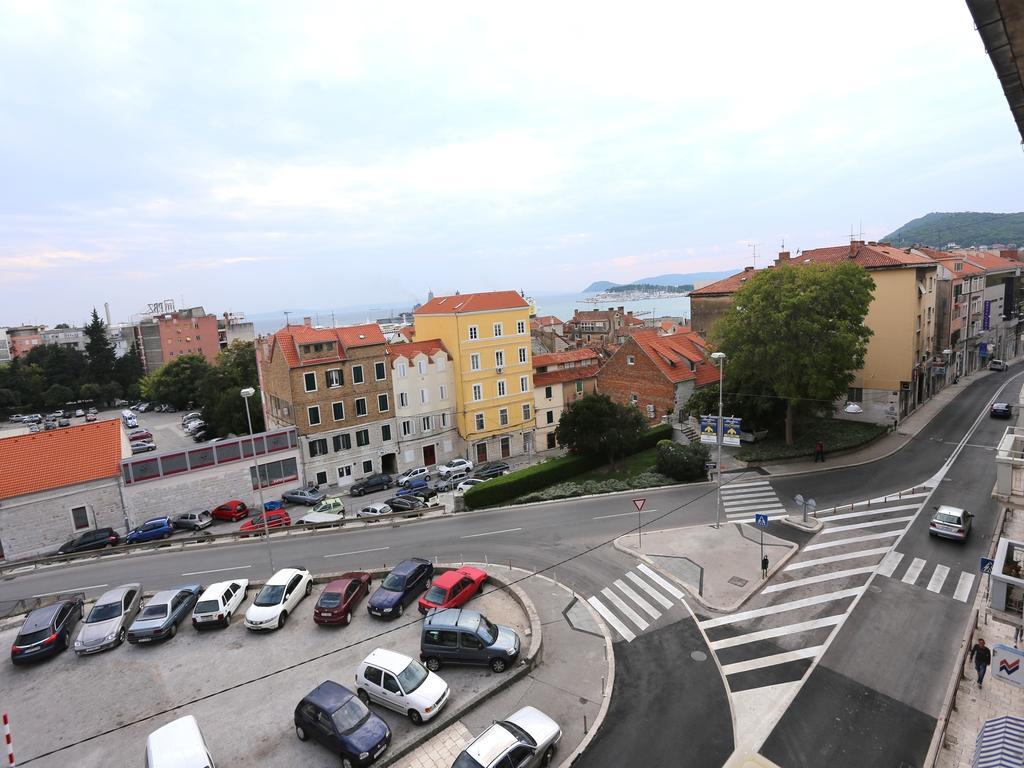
x=174, y=630
x=309, y=588
x=348, y=618
x=546, y=760
x=498, y=665
x=166, y=535
x=401, y=609
x=433, y=663
x=363, y=696
x=346, y=763
x=121, y=635
x=416, y=717
x=282, y=619
x=301, y=733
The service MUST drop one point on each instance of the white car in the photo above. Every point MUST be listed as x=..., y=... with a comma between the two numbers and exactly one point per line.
x=465, y=485
x=402, y=684
x=525, y=739
x=79, y=413
x=179, y=743
x=420, y=473
x=279, y=597
x=219, y=603
x=455, y=465
x=374, y=510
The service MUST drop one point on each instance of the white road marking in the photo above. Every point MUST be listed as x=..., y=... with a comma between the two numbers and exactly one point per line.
x=621, y=514
x=748, y=507
x=872, y=524
x=629, y=613
x=938, y=578
x=752, y=520
x=665, y=602
x=767, y=493
x=773, y=508
x=649, y=609
x=913, y=571
x=657, y=579
x=793, y=605
x=896, y=497
x=748, y=484
x=836, y=558
x=963, y=587
x=216, y=570
x=490, y=533
x=612, y=619
x=890, y=563
x=869, y=512
x=771, y=661
x=358, y=552
x=71, y=589
x=817, y=579
x=852, y=540
x=767, y=634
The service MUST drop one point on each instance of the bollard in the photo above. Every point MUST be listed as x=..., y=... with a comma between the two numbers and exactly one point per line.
x=602, y=686
x=510, y=563
x=584, y=725
x=7, y=740
x=486, y=561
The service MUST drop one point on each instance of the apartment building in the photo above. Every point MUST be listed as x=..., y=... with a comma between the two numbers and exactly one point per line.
x=71, y=338
x=963, y=326
x=161, y=338
x=999, y=305
x=559, y=379
x=232, y=326
x=596, y=327
x=423, y=380
x=5, y=346
x=487, y=336
x=24, y=338
x=333, y=385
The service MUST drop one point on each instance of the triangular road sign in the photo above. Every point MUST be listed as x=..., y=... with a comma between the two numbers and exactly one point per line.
x=639, y=504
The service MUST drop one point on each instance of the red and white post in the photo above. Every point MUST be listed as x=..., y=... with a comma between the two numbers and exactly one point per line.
x=7, y=741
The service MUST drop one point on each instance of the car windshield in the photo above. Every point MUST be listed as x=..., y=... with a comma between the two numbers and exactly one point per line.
x=103, y=612
x=350, y=715
x=154, y=612
x=518, y=732
x=207, y=606
x=412, y=676
x=330, y=599
x=465, y=761
x=435, y=595
x=945, y=517
x=32, y=637
x=270, y=595
x=487, y=631
x=394, y=583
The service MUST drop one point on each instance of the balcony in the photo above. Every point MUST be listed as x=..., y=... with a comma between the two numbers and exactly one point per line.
x=1010, y=467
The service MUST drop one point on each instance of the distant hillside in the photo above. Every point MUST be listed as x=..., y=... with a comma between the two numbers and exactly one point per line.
x=600, y=285
x=937, y=230
x=666, y=280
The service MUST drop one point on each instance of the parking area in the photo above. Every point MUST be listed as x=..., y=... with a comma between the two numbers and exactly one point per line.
x=241, y=686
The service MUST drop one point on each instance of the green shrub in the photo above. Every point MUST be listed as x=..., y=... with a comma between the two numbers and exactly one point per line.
x=591, y=487
x=682, y=462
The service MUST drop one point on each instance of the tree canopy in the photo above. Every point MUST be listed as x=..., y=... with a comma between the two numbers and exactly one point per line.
x=597, y=425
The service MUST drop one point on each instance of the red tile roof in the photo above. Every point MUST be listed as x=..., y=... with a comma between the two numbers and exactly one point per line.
x=565, y=375
x=43, y=460
x=568, y=356
x=543, y=320
x=410, y=349
x=673, y=355
x=349, y=336
x=989, y=261
x=472, y=302
x=407, y=331
x=727, y=286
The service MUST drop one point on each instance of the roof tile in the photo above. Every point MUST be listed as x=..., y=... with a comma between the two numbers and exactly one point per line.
x=472, y=302
x=568, y=356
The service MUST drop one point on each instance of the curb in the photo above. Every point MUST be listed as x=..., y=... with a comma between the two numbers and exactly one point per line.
x=815, y=525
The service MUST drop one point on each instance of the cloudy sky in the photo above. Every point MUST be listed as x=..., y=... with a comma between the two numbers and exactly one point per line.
x=255, y=156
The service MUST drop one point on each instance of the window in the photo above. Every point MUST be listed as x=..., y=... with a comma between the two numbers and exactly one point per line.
x=428, y=423
x=357, y=374
x=321, y=478
x=474, y=362
x=421, y=367
x=338, y=411
x=380, y=371
x=79, y=518
x=443, y=393
x=478, y=392
x=547, y=392
x=522, y=354
x=318, y=447
x=439, y=363
x=526, y=411
x=520, y=326
x=444, y=419
x=579, y=386
x=344, y=472
x=630, y=360
x=274, y=473
x=367, y=467
x=474, y=333
x=499, y=358
x=498, y=331
x=309, y=381
x=406, y=428
x=382, y=402
x=313, y=415
x=362, y=438
x=401, y=367
x=501, y=388
x=524, y=383
x=385, y=433
x=334, y=377
x=479, y=421
x=503, y=417
x=650, y=410
x=855, y=394
x=342, y=442
x=632, y=399
x=424, y=397
x=361, y=406
x=373, y=674
x=551, y=417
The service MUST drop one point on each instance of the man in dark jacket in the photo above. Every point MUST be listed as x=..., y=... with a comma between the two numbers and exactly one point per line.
x=982, y=657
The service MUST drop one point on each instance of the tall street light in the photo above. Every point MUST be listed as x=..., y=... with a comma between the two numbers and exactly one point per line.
x=720, y=357
x=246, y=394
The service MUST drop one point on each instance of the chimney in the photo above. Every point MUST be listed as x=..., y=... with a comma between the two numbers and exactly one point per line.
x=106, y=311
x=783, y=258
x=1012, y=254
x=855, y=245
x=748, y=269
x=308, y=322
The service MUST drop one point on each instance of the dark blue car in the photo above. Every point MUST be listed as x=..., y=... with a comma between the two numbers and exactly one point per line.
x=400, y=587
x=336, y=718
x=155, y=528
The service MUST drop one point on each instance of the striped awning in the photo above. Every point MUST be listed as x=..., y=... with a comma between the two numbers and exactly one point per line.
x=1000, y=743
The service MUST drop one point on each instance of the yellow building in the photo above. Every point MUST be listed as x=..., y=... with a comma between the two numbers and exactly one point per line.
x=488, y=337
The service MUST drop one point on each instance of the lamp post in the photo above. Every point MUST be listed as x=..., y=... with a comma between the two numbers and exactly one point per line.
x=720, y=357
x=246, y=394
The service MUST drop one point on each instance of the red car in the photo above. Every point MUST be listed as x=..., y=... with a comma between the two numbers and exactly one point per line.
x=340, y=597
x=140, y=434
x=277, y=519
x=231, y=511
x=453, y=588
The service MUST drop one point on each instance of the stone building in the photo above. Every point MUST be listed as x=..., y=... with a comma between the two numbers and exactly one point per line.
x=423, y=379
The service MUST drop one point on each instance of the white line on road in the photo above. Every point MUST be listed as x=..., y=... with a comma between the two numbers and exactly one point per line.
x=963, y=587
x=818, y=579
x=665, y=602
x=890, y=563
x=612, y=619
x=767, y=634
x=852, y=540
x=649, y=609
x=872, y=524
x=752, y=505
x=216, y=570
x=938, y=578
x=630, y=614
x=622, y=514
x=70, y=589
x=767, y=493
x=748, y=484
x=753, y=520
x=913, y=571
x=490, y=533
x=771, y=661
x=869, y=512
x=773, y=508
x=657, y=579
x=781, y=607
x=358, y=552
x=836, y=558
x=895, y=497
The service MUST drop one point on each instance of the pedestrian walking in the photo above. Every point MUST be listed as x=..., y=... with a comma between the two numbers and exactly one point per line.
x=982, y=657
x=764, y=567
x=819, y=452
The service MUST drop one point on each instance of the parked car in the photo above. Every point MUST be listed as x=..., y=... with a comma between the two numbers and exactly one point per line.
x=376, y=482
x=307, y=494
x=143, y=407
x=107, y=622
x=187, y=417
x=1001, y=411
x=275, y=519
x=140, y=446
x=15, y=418
x=279, y=597
x=232, y=511
x=200, y=436
x=35, y=428
x=405, y=503
x=418, y=487
x=64, y=422
x=194, y=426
x=371, y=511
x=179, y=744
x=159, y=618
x=193, y=520
x=997, y=365
x=90, y=417
x=98, y=538
x=455, y=465
x=46, y=631
x=525, y=739
x=32, y=418
x=461, y=636
x=138, y=435
x=950, y=523
x=79, y=413
x=93, y=411
x=397, y=682
x=219, y=602
x=151, y=530
x=341, y=597
x=333, y=504
x=451, y=481
x=320, y=518
x=491, y=469
x=419, y=473
x=453, y=589
x=400, y=587
x=468, y=483
x=337, y=719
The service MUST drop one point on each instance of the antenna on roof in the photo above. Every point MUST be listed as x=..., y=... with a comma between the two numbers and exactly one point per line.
x=287, y=322
x=782, y=246
x=753, y=247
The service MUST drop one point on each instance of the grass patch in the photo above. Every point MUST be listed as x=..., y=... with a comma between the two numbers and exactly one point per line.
x=836, y=434
x=628, y=467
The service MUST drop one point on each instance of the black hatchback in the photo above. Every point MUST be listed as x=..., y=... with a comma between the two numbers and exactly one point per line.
x=94, y=539
x=46, y=631
x=1001, y=411
x=491, y=469
x=375, y=482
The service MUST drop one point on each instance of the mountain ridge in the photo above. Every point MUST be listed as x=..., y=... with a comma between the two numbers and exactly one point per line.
x=667, y=279
x=964, y=228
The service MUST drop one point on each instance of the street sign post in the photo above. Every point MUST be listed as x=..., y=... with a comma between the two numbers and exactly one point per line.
x=985, y=564
x=639, y=504
x=807, y=504
x=761, y=521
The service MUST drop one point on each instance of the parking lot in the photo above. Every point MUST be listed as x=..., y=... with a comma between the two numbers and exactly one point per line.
x=241, y=686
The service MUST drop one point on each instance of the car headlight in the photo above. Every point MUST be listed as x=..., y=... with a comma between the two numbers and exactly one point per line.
x=386, y=610
x=111, y=636
x=512, y=651
x=363, y=755
x=79, y=643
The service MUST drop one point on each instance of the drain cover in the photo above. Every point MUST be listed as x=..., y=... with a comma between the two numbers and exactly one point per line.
x=699, y=656
x=736, y=581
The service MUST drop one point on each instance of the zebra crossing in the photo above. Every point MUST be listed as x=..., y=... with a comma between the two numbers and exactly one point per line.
x=741, y=501
x=634, y=603
x=937, y=582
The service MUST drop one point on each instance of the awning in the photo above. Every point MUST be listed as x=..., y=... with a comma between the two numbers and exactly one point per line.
x=1000, y=743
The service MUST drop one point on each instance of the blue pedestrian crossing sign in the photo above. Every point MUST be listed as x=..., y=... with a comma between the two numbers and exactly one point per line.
x=985, y=564
x=761, y=520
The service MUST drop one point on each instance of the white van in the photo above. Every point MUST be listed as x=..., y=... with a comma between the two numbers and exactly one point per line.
x=179, y=744
x=129, y=420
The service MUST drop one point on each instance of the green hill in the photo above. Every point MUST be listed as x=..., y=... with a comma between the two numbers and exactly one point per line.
x=938, y=230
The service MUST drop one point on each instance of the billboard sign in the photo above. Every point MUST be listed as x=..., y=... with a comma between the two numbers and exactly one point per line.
x=731, y=432
x=986, y=316
x=709, y=429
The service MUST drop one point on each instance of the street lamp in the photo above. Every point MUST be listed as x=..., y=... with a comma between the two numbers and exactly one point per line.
x=720, y=357
x=246, y=394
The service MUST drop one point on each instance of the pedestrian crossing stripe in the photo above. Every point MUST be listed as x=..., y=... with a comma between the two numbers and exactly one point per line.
x=836, y=558
x=624, y=609
x=870, y=512
x=830, y=576
x=771, y=661
x=649, y=609
x=891, y=562
x=619, y=606
x=612, y=619
x=768, y=634
x=756, y=613
x=914, y=571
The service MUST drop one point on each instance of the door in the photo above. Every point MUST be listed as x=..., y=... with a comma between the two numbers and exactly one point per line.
x=472, y=648
x=551, y=439
x=391, y=693
x=429, y=456
x=481, y=452
x=506, y=447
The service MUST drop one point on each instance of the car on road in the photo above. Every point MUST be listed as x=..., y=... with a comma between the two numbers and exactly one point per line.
x=371, y=511
x=453, y=589
x=138, y=435
x=107, y=622
x=219, y=602
x=275, y=519
x=46, y=631
x=151, y=530
x=341, y=597
x=491, y=469
x=232, y=511
x=337, y=719
x=400, y=587
x=162, y=613
x=279, y=597
x=376, y=482
x=950, y=523
x=79, y=413
x=307, y=494
x=405, y=503
x=397, y=682
x=90, y=417
x=193, y=520
x=997, y=365
x=179, y=744
x=524, y=739
x=407, y=477
x=455, y=465
x=1001, y=411
x=461, y=636
x=142, y=447
x=98, y=538
x=468, y=483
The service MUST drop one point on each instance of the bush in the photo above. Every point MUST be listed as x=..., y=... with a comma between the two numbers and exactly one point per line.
x=836, y=434
x=682, y=462
x=590, y=487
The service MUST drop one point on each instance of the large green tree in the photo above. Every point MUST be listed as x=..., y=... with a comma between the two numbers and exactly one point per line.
x=100, y=351
x=597, y=425
x=60, y=365
x=222, y=404
x=179, y=382
x=797, y=333
x=128, y=371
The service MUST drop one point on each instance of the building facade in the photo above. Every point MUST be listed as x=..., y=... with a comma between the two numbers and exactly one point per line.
x=597, y=327
x=422, y=377
x=5, y=347
x=233, y=327
x=24, y=338
x=559, y=380
x=162, y=338
x=71, y=338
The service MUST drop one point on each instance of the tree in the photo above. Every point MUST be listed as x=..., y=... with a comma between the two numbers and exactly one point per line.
x=179, y=382
x=8, y=398
x=100, y=351
x=797, y=332
x=90, y=392
x=110, y=392
x=682, y=462
x=59, y=364
x=128, y=371
x=597, y=425
x=58, y=395
x=219, y=396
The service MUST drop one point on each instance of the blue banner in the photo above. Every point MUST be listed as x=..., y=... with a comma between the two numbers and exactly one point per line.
x=986, y=316
x=731, y=431
x=709, y=429
x=983, y=349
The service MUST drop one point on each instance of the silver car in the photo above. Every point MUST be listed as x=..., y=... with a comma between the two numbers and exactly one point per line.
x=195, y=520
x=107, y=622
x=950, y=523
x=163, y=612
x=525, y=739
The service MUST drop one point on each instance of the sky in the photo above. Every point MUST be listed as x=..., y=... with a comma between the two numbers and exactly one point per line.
x=255, y=156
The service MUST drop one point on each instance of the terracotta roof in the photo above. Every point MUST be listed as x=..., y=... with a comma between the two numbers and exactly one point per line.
x=564, y=375
x=727, y=285
x=473, y=302
x=990, y=262
x=543, y=320
x=407, y=331
x=568, y=356
x=673, y=355
x=945, y=256
x=40, y=461
x=349, y=336
x=413, y=348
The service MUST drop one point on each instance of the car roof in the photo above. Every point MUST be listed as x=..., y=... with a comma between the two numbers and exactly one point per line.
x=340, y=583
x=491, y=744
x=160, y=519
x=448, y=578
x=217, y=587
x=999, y=405
x=329, y=695
x=283, y=576
x=179, y=744
x=117, y=593
x=409, y=565
x=455, y=617
x=166, y=595
x=390, y=661
x=946, y=509
x=41, y=618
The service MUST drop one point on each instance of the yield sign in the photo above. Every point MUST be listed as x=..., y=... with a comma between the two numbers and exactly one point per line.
x=639, y=504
